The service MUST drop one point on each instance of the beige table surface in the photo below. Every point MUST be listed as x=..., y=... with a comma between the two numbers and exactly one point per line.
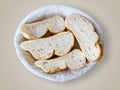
x=104, y=76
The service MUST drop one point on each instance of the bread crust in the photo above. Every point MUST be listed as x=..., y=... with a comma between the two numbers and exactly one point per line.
x=55, y=70
x=101, y=53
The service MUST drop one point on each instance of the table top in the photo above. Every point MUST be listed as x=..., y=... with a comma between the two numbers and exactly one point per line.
x=103, y=76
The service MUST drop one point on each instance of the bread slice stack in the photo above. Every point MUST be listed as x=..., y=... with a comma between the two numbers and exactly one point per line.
x=61, y=44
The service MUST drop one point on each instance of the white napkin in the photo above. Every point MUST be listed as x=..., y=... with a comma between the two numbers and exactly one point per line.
x=28, y=60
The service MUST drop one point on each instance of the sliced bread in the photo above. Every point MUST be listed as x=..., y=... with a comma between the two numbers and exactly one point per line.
x=74, y=60
x=86, y=36
x=38, y=29
x=44, y=48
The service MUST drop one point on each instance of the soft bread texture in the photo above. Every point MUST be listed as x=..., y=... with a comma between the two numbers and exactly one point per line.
x=86, y=36
x=38, y=29
x=74, y=60
x=44, y=48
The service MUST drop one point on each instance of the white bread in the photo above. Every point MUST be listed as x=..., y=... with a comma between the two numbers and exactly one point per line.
x=73, y=60
x=44, y=48
x=86, y=36
x=38, y=29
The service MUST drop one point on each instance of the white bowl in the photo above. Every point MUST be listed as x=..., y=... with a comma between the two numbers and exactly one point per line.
x=28, y=60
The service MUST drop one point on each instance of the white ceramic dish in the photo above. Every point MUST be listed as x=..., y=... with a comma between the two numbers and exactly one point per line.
x=28, y=60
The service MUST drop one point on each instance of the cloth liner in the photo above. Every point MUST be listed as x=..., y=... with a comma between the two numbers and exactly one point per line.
x=28, y=60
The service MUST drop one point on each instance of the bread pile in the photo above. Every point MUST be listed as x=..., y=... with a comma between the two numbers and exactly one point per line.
x=57, y=51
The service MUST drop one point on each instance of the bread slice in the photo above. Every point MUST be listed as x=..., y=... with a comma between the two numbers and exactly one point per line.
x=86, y=36
x=38, y=29
x=74, y=60
x=44, y=48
